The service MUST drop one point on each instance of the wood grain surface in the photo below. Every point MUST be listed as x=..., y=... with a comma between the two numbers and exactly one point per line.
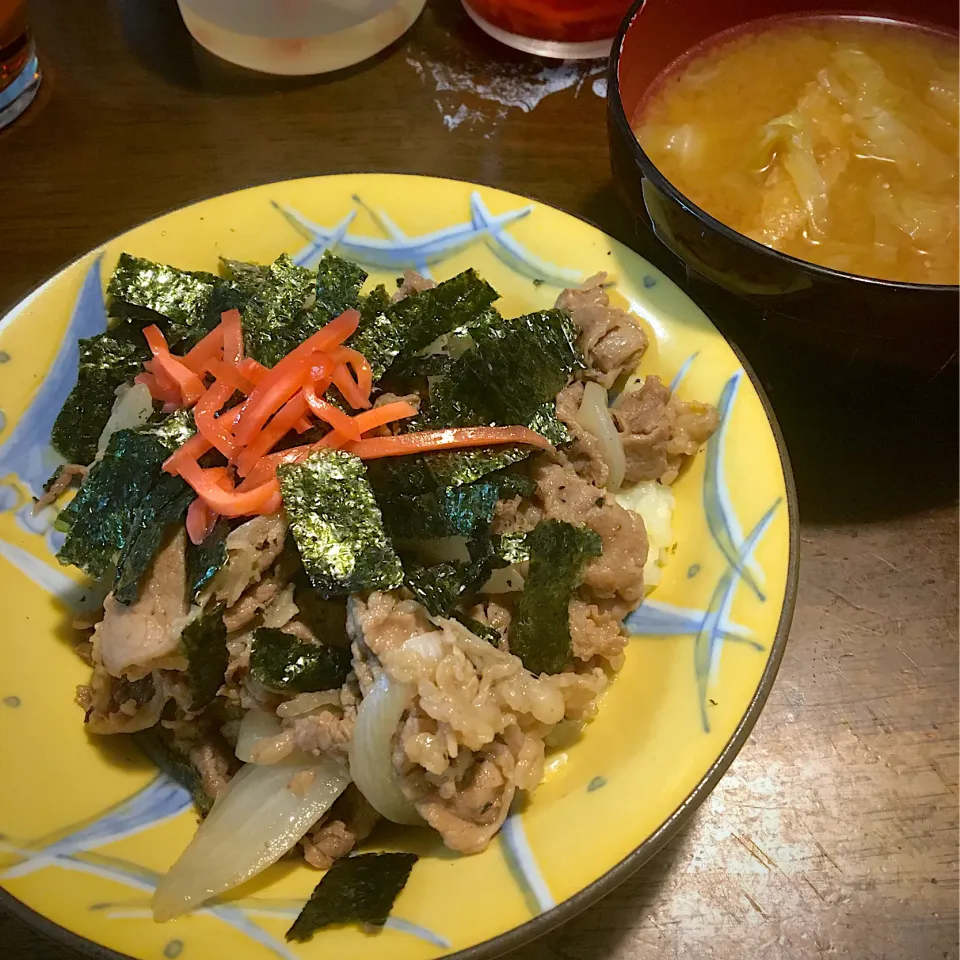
x=835, y=831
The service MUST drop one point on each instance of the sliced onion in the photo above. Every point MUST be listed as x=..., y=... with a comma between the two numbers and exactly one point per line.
x=594, y=417
x=261, y=815
x=255, y=726
x=371, y=750
x=131, y=409
x=504, y=580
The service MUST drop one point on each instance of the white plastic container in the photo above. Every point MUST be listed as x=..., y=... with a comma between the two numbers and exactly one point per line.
x=297, y=36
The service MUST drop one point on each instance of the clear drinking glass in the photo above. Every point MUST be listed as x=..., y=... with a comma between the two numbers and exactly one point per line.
x=571, y=29
x=19, y=69
x=297, y=36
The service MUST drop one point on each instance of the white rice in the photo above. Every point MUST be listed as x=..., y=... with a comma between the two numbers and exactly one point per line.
x=653, y=501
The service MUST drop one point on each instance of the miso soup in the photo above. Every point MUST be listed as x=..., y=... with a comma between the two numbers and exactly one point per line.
x=831, y=139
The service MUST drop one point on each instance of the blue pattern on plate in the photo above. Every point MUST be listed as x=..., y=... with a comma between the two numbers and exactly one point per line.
x=72, y=594
x=399, y=252
x=682, y=372
x=523, y=865
x=721, y=518
x=27, y=452
x=160, y=800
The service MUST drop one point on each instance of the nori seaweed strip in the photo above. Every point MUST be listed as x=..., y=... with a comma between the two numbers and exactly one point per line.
x=442, y=586
x=204, y=643
x=106, y=361
x=165, y=504
x=337, y=525
x=172, y=430
x=413, y=474
x=282, y=662
x=438, y=587
x=521, y=364
x=389, y=331
x=246, y=276
x=180, y=296
x=99, y=519
x=158, y=749
x=512, y=547
x=360, y=889
x=205, y=559
x=449, y=512
x=515, y=367
x=276, y=318
x=327, y=619
x=338, y=284
x=540, y=632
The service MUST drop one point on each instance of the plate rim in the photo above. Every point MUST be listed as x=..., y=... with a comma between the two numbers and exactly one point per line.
x=565, y=910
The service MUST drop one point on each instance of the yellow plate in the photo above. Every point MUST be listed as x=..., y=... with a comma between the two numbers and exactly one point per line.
x=86, y=826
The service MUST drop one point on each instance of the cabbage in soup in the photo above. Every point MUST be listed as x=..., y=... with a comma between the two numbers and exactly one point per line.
x=831, y=139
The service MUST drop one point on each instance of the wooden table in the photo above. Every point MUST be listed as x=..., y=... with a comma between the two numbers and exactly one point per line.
x=835, y=831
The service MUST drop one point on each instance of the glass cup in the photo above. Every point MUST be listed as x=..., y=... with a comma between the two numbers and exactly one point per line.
x=297, y=36
x=568, y=29
x=19, y=69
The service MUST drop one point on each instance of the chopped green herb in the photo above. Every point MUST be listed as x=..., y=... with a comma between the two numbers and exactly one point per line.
x=540, y=633
x=337, y=525
x=204, y=560
x=360, y=889
x=159, y=748
x=99, y=520
x=106, y=361
x=282, y=662
x=276, y=318
x=180, y=296
x=164, y=504
x=204, y=643
x=338, y=284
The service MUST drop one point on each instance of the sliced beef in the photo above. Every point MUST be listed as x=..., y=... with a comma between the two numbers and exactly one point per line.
x=611, y=339
x=213, y=759
x=64, y=479
x=660, y=431
x=384, y=622
x=351, y=819
x=612, y=584
x=618, y=571
x=327, y=731
x=133, y=640
x=597, y=631
x=412, y=283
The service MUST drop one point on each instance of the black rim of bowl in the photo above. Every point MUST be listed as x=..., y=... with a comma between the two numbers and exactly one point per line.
x=572, y=906
x=651, y=171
